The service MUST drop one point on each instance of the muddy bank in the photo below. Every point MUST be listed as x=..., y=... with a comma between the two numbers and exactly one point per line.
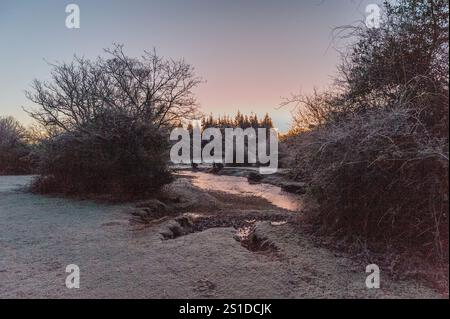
x=253, y=228
x=397, y=264
x=218, y=200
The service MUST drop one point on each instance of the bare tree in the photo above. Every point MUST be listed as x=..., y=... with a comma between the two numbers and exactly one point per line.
x=149, y=88
x=106, y=122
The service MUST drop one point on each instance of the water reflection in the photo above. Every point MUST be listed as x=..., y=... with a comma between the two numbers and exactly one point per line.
x=240, y=186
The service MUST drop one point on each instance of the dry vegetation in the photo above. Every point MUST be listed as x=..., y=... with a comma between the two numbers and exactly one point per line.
x=14, y=148
x=374, y=149
x=107, y=121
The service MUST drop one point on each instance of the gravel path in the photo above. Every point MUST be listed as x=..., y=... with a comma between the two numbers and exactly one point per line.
x=40, y=235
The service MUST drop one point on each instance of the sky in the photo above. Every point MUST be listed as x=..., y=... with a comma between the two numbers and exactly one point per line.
x=251, y=53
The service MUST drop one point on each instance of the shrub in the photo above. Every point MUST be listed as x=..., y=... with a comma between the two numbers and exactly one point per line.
x=125, y=158
x=107, y=121
x=14, y=149
x=375, y=150
x=378, y=181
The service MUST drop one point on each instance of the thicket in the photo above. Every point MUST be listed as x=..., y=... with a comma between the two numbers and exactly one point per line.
x=107, y=122
x=374, y=148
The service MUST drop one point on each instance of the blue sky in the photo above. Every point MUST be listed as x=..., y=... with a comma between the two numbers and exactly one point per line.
x=251, y=52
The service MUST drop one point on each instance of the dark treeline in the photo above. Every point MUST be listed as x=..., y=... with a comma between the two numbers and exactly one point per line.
x=240, y=120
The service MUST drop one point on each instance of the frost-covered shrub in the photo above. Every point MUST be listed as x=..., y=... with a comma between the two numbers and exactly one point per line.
x=114, y=154
x=377, y=180
x=14, y=149
x=107, y=121
x=375, y=148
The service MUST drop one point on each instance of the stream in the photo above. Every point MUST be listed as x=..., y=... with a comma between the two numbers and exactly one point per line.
x=240, y=186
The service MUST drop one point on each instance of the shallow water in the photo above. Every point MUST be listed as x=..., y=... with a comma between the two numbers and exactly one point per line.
x=240, y=186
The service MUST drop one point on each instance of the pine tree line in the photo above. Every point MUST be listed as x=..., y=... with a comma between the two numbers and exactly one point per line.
x=240, y=120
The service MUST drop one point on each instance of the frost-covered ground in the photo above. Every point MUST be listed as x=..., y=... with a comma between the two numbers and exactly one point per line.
x=40, y=235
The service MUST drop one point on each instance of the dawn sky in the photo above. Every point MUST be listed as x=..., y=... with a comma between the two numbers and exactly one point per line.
x=251, y=52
